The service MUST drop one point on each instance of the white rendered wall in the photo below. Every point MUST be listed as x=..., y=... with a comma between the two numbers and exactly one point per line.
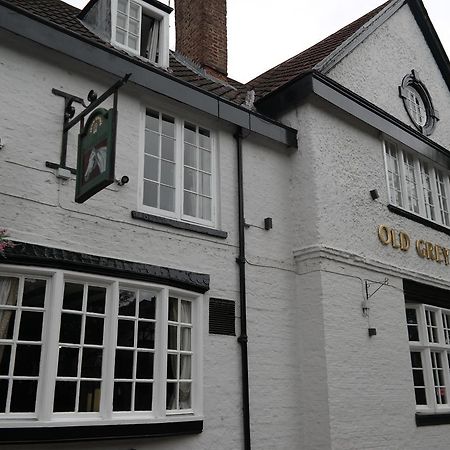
x=38, y=208
x=376, y=68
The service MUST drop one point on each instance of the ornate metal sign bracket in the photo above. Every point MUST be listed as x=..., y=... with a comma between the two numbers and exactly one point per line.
x=70, y=121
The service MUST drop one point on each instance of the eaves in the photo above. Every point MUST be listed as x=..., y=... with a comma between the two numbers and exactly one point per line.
x=117, y=63
x=317, y=84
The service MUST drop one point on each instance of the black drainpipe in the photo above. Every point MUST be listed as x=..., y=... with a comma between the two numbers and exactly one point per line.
x=243, y=338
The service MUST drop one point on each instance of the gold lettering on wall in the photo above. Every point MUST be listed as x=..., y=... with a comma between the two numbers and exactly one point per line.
x=425, y=249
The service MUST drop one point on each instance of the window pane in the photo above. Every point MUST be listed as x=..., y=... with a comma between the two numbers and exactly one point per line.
x=70, y=331
x=190, y=155
x=5, y=355
x=190, y=204
x=89, y=396
x=185, y=367
x=125, y=333
x=68, y=362
x=96, y=299
x=168, y=173
x=205, y=208
x=122, y=397
x=152, y=121
x=172, y=367
x=151, y=143
x=93, y=333
x=120, y=36
x=132, y=42
x=144, y=365
x=185, y=395
x=185, y=311
x=147, y=305
x=23, y=396
x=143, y=397
x=167, y=198
x=421, y=398
x=185, y=339
x=150, y=194
x=190, y=179
x=3, y=394
x=122, y=5
x=205, y=161
x=168, y=125
x=121, y=20
x=91, y=366
x=124, y=364
x=151, y=166
x=189, y=133
x=146, y=335
x=127, y=303
x=173, y=309
x=28, y=358
x=204, y=138
x=73, y=296
x=65, y=393
x=205, y=184
x=168, y=148
x=172, y=396
x=34, y=293
x=135, y=10
x=134, y=27
x=7, y=318
x=172, y=338
x=31, y=326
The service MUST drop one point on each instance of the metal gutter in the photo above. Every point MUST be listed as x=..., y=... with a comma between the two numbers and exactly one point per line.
x=54, y=37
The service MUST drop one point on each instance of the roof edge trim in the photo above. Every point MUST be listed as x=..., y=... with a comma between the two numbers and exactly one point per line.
x=358, y=37
x=54, y=37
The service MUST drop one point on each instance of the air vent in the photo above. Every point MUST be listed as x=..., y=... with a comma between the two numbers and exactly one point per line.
x=221, y=317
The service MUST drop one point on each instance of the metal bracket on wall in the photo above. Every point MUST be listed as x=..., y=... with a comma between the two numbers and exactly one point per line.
x=70, y=121
x=380, y=285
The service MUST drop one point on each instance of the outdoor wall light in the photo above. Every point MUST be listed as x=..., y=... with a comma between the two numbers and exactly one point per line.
x=268, y=225
x=124, y=180
x=374, y=194
x=92, y=96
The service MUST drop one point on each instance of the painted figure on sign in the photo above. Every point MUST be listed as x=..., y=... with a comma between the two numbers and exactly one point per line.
x=95, y=164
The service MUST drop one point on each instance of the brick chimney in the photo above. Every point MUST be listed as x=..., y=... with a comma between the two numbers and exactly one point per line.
x=201, y=33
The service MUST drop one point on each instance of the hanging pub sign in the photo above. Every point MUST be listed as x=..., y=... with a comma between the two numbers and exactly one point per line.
x=96, y=154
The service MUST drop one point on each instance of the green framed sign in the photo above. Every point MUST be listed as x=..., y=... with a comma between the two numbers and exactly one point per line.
x=96, y=154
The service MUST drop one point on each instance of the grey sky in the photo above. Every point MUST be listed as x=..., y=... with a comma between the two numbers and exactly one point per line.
x=263, y=33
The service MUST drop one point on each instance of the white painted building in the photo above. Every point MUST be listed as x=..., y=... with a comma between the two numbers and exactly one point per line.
x=303, y=213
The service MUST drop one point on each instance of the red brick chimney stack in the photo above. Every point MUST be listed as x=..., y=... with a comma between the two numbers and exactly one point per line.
x=201, y=33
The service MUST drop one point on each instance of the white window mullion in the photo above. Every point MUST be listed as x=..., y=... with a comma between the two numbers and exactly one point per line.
x=422, y=207
x=437, y=207
x=403, y=184
x=49, y=364
x=112, y=305
x=179, y=157
x=160, y=359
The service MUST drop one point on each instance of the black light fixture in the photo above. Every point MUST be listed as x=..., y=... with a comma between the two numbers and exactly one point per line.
x=374, y=194
x=268, y=225
x=92, y=96
x=124, y=180
x=372, y=332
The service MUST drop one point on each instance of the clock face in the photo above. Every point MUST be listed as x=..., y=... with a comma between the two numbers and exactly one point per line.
x=95, y=125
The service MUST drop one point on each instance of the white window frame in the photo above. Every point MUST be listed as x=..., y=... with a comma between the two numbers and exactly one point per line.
x=178, y=214
x=426, y=347
x=163, y=19
x=419, y=164
x=44, y=415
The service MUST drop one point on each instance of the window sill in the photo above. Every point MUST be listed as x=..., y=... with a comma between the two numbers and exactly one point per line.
x=423, y=420
x=179, y=225
x=97, y=432
x=427, y=222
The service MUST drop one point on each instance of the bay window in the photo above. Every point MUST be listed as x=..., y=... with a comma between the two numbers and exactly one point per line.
x=416, y=185
x=95, y=349
x=178, y=169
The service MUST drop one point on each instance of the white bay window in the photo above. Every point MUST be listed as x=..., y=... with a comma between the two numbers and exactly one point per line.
x=416, y=185
x=77, y=347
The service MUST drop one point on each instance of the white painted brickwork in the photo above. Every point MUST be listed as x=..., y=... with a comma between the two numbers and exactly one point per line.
x=317, y=381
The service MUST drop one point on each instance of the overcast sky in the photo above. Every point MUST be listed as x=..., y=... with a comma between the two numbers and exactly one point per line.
x=263, y=33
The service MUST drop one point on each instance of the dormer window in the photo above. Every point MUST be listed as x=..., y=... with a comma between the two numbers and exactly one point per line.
x=141, y=28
